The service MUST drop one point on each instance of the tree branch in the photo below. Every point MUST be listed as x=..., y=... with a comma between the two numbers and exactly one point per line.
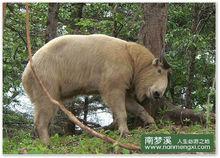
x=18, y=32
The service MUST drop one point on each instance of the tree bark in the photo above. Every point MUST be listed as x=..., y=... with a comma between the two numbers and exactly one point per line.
x=4, y=9
x=76, y=15
x=192, y=57
x=114, y=29
x=152, y=33
x=52, y=21
x=85, y=108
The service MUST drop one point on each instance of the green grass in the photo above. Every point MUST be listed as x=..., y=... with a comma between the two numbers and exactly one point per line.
x=23, y=142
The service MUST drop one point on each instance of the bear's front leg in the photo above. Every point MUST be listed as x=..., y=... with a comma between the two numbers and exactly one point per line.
x=136, y=109
x=115, y=100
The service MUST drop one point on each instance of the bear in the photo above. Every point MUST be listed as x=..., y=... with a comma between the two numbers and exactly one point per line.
x=123, y=73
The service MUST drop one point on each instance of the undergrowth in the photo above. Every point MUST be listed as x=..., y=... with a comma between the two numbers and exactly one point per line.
x=23, y=142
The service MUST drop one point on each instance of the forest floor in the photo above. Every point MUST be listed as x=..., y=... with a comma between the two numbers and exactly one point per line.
x=23, y=143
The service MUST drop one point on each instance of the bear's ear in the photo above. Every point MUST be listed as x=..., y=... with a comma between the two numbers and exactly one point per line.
x=166, y=65
x=156, y=62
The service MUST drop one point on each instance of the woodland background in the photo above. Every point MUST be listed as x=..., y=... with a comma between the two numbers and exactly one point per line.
x=184, y=33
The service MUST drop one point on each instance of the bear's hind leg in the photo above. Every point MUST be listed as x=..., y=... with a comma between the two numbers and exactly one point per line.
x=44, y=113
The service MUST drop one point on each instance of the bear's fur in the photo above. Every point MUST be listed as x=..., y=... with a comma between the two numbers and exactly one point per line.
x=119, y=71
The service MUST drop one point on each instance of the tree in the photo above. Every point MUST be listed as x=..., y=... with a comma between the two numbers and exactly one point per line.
x=4, y=9
x=180, y=40
x=192, y=56
x=152, y=34
x=199, y=19
x=52, y=21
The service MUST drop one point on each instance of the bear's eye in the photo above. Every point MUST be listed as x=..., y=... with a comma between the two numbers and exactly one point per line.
x=159, y=71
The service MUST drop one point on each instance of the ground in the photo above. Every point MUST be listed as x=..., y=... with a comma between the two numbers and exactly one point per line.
x=22, y=142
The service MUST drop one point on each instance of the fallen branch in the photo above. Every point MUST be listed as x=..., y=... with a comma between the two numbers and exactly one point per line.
x=61, y=105
x=177, y=114
x=88, y=123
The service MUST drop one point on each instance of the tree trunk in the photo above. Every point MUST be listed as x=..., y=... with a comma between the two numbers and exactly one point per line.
x=52, y=21
x=85, y=108
x=152, y=33
x=192, y=56
x=76, y=15
x=4, y=9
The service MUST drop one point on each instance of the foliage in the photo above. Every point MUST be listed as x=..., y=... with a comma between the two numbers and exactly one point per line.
x=179, y=39
x=15, y=120
x=115, y=19
x=14, y=45
x=84, y=143
x=100, y=18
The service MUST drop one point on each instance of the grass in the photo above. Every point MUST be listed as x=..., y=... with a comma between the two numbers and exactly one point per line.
x=23, y=143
